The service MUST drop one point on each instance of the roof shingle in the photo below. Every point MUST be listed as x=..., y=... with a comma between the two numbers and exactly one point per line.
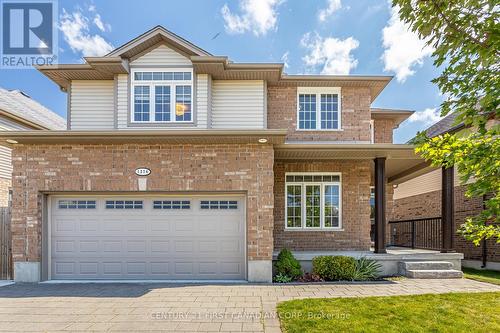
x=21, y=105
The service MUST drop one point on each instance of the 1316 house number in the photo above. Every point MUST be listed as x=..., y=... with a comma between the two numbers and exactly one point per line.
x=142, y=171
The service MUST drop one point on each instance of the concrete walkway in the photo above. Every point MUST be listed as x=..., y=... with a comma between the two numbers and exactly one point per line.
x=174, y=307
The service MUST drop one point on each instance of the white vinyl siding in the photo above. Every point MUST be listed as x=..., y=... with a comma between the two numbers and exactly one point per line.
x=5, y=163
x=162, y=56
x=122, y=100
x=92, y=104
x=7, y=124
x=238, y=104
x=203, y=86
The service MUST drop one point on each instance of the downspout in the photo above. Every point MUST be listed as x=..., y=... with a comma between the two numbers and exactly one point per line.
x=485, y=249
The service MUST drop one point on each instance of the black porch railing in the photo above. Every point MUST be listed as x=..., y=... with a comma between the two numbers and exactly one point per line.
x=423, y=233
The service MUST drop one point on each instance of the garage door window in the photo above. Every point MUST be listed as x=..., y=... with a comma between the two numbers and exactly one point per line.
x=124, y=204
x=219, y=204
x=76, y=204
x=171, y=204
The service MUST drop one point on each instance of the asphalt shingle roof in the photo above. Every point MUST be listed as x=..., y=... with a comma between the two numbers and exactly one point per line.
x=21, y=105
x=444, y=125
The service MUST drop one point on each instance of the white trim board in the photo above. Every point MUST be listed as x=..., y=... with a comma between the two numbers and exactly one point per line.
x=144, y=281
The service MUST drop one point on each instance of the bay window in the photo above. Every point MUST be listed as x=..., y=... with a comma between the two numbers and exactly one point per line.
x=162, y=96
x=313, y=201
x=318, y=109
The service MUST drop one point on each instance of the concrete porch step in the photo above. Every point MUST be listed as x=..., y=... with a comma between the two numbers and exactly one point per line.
x=433, y=274
x=425, y=265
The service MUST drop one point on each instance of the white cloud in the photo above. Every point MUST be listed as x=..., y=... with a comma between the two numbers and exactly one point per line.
x=101, y=25
x=257, y=16
x=333, y=6
x=404, y=50
x=76, y=30
x=284, y=58
x=428, y=116
x=333, y=55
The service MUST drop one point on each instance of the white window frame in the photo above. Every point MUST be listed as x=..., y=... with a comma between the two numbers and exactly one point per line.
x=372, y=131
x=152, y=105
x=318, y=91
x=322, y=226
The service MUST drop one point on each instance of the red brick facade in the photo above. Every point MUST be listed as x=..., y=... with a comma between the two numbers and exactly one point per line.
x=355, y=208
x=5, y=185
x=355, y=113
x=429, y=205
x=383, y=129
x=42, y=168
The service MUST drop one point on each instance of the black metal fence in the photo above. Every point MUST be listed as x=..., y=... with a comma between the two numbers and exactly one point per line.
x=424, y=233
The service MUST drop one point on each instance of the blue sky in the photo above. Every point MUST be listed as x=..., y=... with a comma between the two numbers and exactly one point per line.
x=323, y=36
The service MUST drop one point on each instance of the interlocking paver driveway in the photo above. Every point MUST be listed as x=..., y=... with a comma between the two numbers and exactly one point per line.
x=177, y=308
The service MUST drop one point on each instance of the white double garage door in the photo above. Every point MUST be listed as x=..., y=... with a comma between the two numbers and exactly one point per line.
x=147, y=237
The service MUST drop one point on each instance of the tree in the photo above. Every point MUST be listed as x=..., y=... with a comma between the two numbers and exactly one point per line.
x=465, y=36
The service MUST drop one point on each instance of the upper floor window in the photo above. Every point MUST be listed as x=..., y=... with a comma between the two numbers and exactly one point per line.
x=318, y=109
x=162, y=97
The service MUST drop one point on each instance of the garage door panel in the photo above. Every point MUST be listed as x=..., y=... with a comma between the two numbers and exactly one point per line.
x=185, y=242
x=160, y=247
x=88, y=247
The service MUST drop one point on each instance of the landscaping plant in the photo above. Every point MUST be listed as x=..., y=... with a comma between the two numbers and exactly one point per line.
x=334, y=268
x=366, y=269
x=287, y=265
x=280, y=278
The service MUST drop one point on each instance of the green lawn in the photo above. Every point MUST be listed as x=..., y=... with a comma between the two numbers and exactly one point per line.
x=482, y=275
x=458, y=312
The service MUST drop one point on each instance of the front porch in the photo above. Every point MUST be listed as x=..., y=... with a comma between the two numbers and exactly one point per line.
x=389, y=260
x=381, y=166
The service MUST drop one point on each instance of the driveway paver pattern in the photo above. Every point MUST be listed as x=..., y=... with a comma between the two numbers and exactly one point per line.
x=121, y=307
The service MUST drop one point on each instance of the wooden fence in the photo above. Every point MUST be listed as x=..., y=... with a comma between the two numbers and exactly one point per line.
x=5, y=245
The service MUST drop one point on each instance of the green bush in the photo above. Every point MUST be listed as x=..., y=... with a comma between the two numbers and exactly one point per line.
x=366, y=269
x=287, y=265
x=334, y=268
x=280, y=278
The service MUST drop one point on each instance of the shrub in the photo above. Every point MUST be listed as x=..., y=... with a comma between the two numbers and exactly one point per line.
x=334, y=268
x=287, y=265
x=280, y=278
x=366, y=269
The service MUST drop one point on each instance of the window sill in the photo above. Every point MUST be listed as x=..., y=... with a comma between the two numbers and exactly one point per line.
x=319, y=130
x=161, y=124
x=314, y=229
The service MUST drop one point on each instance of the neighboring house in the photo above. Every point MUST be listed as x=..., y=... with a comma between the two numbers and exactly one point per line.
x=183, y=165
x=420, y=197
x=19, y=112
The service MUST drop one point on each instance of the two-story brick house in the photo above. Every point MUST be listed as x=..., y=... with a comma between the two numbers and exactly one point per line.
x=178, y=164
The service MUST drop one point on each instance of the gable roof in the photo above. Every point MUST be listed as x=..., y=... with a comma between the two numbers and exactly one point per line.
x=219, y=67
x=19, y=106
x=153, y=37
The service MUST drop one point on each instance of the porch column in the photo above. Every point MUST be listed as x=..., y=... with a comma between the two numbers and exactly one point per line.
x=447, y=209
x=380, y=202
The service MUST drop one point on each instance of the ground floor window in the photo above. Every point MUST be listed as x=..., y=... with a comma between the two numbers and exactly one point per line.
x=313, y=201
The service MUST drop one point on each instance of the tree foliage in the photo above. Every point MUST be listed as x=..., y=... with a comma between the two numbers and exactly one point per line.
x=465, y=35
